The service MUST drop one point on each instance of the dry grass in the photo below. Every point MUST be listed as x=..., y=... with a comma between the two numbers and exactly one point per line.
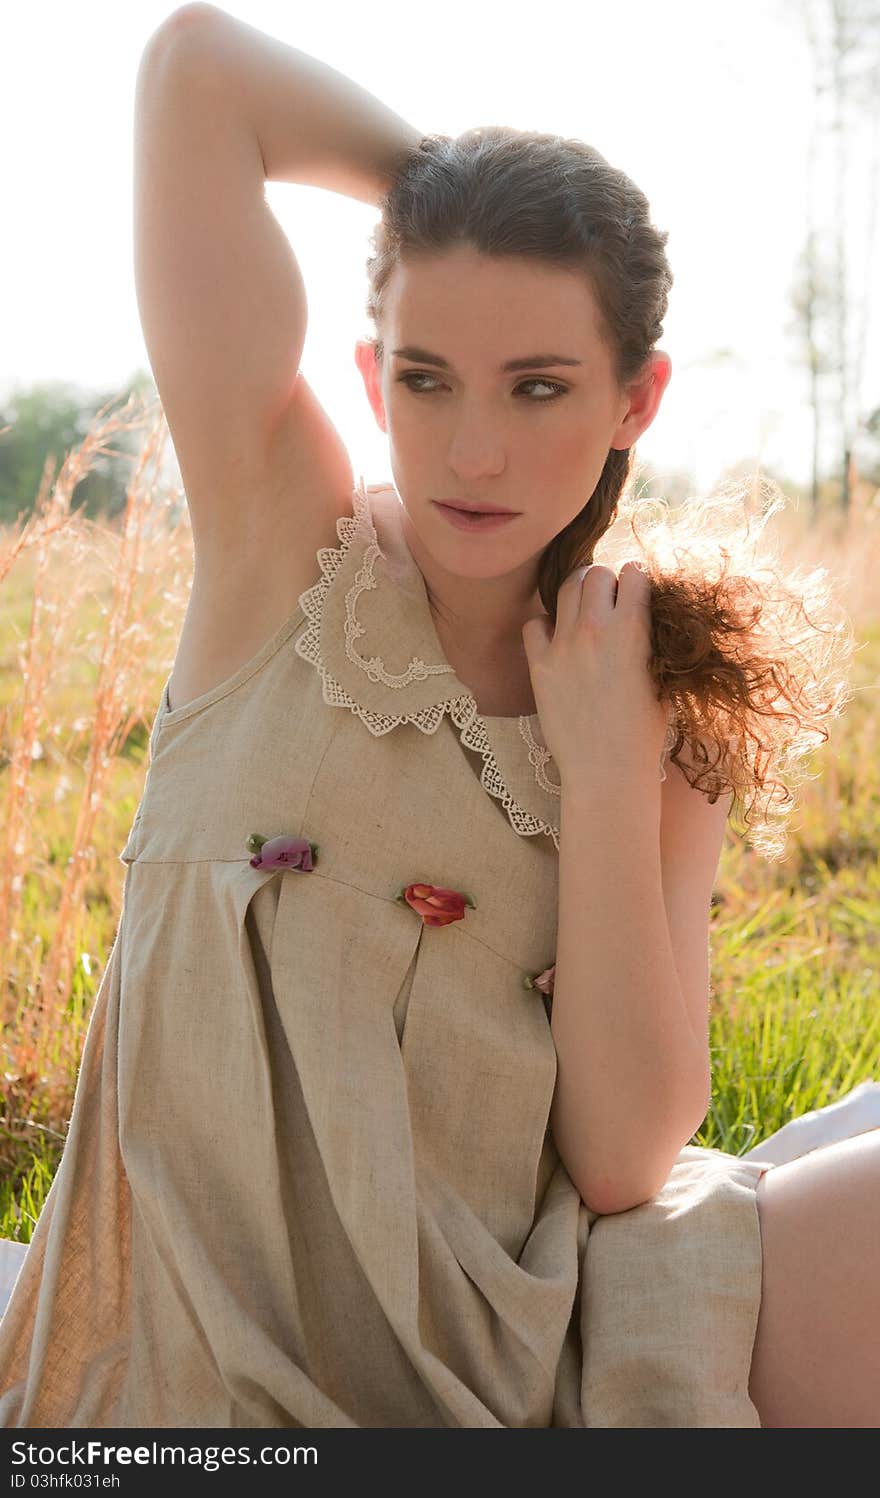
x=91, y=618
x=91, y=614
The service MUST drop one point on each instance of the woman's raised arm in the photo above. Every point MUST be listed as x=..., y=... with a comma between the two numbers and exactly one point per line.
x=219, y=108
x=315, y=126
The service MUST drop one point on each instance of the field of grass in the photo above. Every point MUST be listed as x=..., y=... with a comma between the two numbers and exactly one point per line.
x=91, y=619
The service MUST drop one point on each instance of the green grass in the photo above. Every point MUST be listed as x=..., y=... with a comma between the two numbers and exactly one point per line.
x=22, y=1195
x=795, y=1021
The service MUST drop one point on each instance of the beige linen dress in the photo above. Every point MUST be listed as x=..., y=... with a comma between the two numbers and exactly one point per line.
x=309, y=1179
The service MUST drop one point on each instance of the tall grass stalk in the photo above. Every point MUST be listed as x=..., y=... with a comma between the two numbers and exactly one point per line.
x=92, y=614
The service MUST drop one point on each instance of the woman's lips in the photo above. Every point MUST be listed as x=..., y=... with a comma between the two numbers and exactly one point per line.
x=474, y=509
x=474, y=521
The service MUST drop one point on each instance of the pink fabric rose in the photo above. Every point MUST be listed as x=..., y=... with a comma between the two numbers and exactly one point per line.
x=545, y=980
x=282, y=852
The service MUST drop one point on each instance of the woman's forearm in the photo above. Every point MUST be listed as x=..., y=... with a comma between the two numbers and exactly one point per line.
x=632, y=1076
x=315, y=126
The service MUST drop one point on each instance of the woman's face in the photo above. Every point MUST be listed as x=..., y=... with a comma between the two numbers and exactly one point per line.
x=532, y=439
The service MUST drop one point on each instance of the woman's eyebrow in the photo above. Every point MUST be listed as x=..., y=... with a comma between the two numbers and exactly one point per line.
x=530, y=361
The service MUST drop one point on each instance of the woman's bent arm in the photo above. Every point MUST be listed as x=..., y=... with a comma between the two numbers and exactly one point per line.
x=315, y=126
x=633, y=1077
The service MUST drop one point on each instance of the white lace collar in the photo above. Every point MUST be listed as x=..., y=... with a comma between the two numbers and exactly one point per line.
x=370, y=634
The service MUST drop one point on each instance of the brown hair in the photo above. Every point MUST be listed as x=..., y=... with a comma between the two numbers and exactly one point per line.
x=755, y=659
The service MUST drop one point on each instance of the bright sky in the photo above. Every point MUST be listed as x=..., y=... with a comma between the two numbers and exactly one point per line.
x=707, y=106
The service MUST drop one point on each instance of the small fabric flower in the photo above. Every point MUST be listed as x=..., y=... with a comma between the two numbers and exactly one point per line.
x=545, y=983
x=282, y=852
x=436, y=906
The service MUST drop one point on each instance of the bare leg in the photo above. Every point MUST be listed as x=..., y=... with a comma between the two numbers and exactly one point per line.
x=816, y=1360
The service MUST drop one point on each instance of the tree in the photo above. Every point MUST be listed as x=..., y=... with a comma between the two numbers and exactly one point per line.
x=40, y=425
x=844, y=43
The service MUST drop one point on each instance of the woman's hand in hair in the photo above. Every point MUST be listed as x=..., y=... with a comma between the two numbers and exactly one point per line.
x=597, y=703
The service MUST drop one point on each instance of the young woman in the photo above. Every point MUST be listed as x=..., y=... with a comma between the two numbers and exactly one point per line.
x=384, y=1108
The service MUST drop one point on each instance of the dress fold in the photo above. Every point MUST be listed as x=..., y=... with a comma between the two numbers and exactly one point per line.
x=309, y=1179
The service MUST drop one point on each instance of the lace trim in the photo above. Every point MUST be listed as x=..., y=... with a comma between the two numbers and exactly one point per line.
x=374, y=668
x=463, y=709
x=475, y=735
x=308, y=644
x=539, y=757
x=669, y=741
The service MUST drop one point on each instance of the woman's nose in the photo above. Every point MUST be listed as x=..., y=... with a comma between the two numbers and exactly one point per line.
x=476, y=447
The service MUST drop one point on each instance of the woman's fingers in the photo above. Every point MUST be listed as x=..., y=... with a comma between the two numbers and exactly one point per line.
x=598, y=656
x=586, y=589
x=634, y=588
x=590, y=592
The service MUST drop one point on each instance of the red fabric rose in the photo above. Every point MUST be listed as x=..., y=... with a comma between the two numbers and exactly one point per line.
x=436, y=906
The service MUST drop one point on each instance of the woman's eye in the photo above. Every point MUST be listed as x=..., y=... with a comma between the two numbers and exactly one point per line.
x=548, y=385
x=552, y=385
x=415, y=375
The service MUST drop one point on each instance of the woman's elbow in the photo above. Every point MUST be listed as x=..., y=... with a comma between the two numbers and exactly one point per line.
x=606, y=1198
x=616, y=1191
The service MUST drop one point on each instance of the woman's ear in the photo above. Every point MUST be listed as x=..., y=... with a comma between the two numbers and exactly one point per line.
x=644, y=395
x=365, y=359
